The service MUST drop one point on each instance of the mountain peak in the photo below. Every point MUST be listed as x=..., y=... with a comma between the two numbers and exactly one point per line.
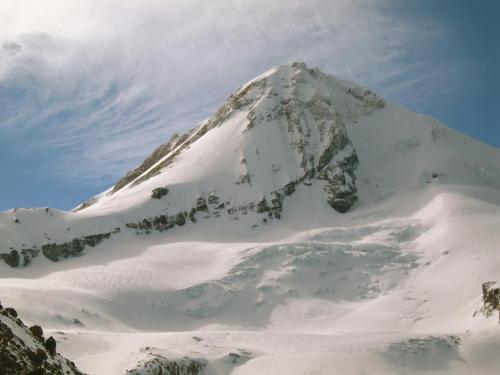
x=298, y=82
x=284, y=128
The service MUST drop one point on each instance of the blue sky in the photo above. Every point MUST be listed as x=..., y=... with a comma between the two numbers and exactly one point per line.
x=89, y=88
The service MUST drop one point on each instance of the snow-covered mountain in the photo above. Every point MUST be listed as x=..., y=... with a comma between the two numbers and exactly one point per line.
x=309, y=225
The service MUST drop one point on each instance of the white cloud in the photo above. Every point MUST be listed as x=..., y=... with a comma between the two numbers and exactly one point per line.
x=98, y=84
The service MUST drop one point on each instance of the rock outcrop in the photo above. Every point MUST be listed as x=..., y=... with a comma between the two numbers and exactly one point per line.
x=158, y=193
x=491, y=299
x=55, y=251
x=158, y=364
x=24, y=350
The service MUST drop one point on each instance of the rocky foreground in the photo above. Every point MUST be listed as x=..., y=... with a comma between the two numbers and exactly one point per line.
x=25, y=350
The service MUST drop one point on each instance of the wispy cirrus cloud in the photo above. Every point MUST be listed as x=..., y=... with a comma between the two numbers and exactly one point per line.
x=96, y=85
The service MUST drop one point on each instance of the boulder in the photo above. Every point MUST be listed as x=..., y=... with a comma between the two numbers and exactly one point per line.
x=180, y=219
x=158, y=193
x=37, y=331
x=12, y=312
x=39, y=356
x=50, y=345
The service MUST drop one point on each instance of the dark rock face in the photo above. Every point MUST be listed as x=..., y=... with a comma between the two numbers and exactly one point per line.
x=28, y=356
x=262, y=206
x=341, y=197
x=277, y=204
x=213, y=199
x=289, y=188
x=158, y=193
x=40, y=356
x=341, y=183
x=37, y=331
x=54, y=251
x=342, y=205
x=180, y=219
x=50, y=345
x=12, y=258
x=19, y=258
x=201, y=204
x=11, y=312
x=161, y=365
x=491, y=298
x=159, y=223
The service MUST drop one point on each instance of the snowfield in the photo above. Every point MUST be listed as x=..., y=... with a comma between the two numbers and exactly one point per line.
x=393, y=286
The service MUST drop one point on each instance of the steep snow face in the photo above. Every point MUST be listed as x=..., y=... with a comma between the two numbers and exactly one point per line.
x=404, y=153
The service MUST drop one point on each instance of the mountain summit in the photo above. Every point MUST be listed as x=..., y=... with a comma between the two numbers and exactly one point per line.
x=284, y=128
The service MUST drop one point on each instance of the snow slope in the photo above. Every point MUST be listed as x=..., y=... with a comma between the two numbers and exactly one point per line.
x=392, y=286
